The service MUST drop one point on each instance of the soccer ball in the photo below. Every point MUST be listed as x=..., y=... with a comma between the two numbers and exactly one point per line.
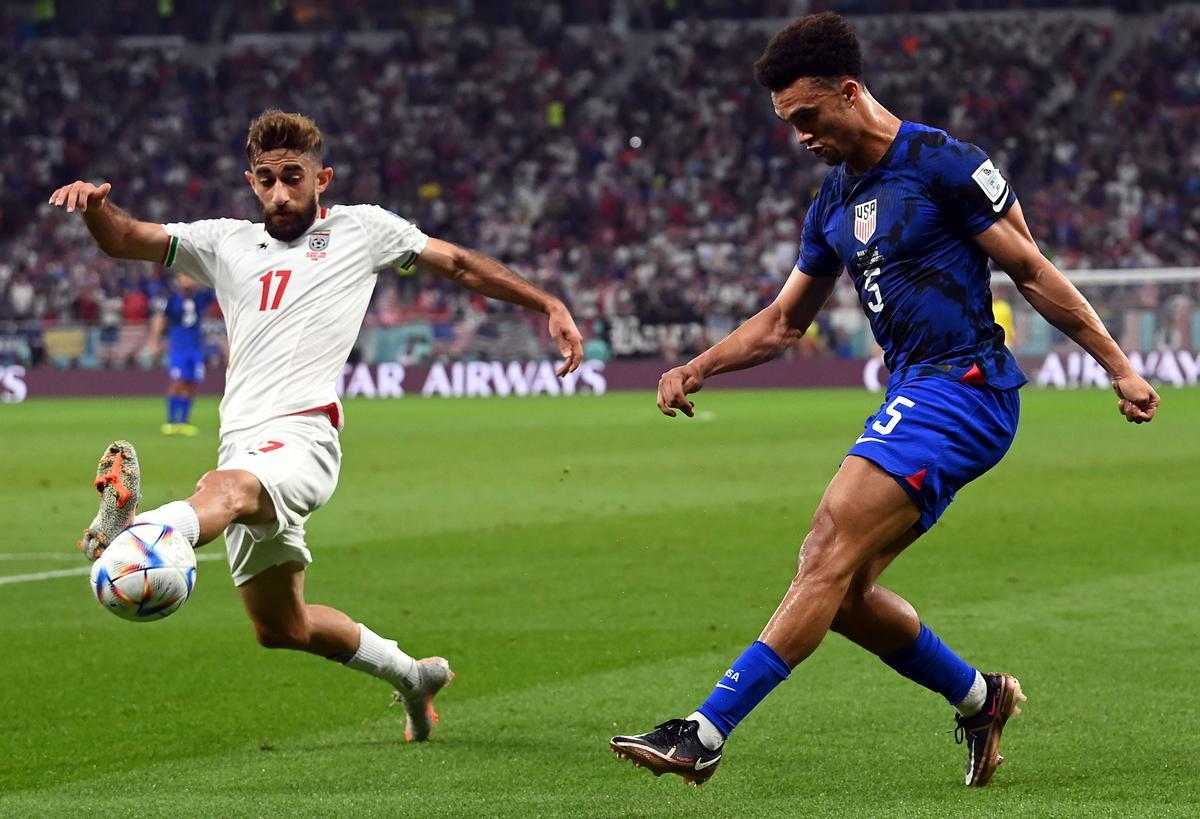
x=146, y=573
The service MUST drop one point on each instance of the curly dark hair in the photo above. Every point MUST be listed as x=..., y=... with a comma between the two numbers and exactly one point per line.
x=819, y=45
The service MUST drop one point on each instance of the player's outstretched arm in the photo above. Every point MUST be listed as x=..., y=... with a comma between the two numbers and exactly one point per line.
x=1012, y=246
x=116, y=232
x=764, y=336
x=487, y=276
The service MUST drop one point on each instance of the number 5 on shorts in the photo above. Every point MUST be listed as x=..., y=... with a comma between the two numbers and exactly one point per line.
x=894, y=415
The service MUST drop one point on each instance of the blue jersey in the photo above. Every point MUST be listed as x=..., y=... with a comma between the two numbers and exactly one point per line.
x=903, y=231
x=184, y=314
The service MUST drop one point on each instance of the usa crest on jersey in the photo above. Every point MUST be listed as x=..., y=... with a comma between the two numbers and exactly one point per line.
x=864, y=220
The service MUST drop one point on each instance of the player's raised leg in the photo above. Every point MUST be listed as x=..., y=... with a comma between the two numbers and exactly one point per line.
x=274, y=600
x=222, y=497
x=862, y=512
x=887, y=625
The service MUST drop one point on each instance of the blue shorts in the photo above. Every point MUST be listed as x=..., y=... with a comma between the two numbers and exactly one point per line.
x=934, y=436
x=187, y=366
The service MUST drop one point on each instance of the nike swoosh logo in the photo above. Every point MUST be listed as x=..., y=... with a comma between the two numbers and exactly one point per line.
x=862, y=438
x=727, y=688
x=702, y=765
x=997, y=205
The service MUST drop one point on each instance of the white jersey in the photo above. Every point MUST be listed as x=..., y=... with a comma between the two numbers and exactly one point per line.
x=292, y=309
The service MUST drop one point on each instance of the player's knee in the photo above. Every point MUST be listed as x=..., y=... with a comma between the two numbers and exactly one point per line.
x=231, y=494
x=825, y=557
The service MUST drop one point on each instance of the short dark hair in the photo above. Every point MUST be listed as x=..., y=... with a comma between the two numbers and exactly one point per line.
x=273, y=129
x=819, y=45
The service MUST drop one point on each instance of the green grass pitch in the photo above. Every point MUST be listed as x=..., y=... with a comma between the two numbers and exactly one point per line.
x=590, y=568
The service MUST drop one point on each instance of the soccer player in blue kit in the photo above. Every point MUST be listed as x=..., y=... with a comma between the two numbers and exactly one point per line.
x=181, y=320
x=913, y=215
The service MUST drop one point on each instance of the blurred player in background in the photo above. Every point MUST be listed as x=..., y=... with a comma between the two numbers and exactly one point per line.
x=913, y=215
x=294, y=291
x=1002, y=313
x=181, y=322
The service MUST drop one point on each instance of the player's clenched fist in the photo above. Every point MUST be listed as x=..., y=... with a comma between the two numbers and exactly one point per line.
x=674, y=387
x=1139, y=402
x=80, y=195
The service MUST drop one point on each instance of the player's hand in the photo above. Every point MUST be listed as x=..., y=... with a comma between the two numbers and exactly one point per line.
x=674, y=387
x=567, y=336
x=1138, y=401
x=80, y=195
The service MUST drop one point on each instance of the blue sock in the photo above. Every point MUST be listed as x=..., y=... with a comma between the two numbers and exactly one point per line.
x=172, y=409
x=185, y=409
x=751, y=677
x=931, y=663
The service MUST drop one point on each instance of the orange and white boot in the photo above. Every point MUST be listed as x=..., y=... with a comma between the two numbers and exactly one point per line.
x=118, y=481
x=418, y=700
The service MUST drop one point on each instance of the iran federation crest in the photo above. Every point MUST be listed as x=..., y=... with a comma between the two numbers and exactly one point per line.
x=318, y=241
x=864, y=220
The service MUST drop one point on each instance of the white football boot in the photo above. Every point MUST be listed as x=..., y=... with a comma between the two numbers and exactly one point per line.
x=418, y=701
x=118, y=479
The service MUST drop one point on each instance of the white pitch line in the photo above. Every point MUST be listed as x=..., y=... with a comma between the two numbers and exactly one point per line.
x=77, y=572
x=28, y=578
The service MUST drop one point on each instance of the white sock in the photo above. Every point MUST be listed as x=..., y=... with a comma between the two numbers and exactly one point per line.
x=971, y=703
x=383, y=659
x=179, y=515
x=710, y=736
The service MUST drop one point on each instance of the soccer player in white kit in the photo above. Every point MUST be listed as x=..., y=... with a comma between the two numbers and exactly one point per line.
x=294, y=291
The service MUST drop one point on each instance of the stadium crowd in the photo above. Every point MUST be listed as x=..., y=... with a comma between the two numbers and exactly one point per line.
x=640, y=172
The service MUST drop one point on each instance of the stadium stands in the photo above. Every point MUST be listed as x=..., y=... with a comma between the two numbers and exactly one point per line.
x=638, y=171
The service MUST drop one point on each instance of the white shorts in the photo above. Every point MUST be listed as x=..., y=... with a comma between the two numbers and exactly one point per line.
x=296, y=458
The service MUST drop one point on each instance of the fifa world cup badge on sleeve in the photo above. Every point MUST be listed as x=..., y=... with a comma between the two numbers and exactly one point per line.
x=992, y=183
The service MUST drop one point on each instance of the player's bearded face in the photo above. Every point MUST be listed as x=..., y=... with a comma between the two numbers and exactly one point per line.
x=288, y=221
x=287, y=185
